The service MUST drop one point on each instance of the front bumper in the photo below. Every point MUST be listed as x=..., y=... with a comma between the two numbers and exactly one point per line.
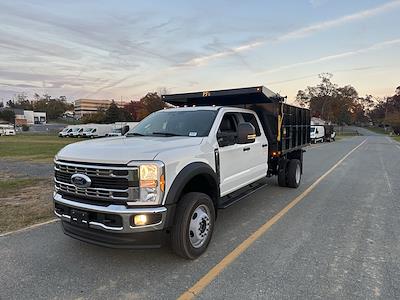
x=122, y=234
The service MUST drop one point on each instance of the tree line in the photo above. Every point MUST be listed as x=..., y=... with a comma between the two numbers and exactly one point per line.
x=326, y=100
x=343, y=105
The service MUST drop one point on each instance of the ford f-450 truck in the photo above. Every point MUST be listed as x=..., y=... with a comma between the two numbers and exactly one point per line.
x=165, y=180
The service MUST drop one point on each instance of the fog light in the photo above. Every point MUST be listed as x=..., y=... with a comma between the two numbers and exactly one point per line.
x=140, y=220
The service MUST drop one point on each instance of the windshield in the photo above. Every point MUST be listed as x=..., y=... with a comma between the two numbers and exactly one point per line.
x=65, y=129
x=176, y=123
x=312, y=129
x=88, y=129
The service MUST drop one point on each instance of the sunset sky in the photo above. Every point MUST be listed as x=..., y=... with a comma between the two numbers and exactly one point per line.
x=123, y=49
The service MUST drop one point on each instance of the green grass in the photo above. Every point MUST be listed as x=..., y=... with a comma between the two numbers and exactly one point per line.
x=37, y=147
x=24, y=202
x=378, y=130
x=396, y=138
x=11, y=186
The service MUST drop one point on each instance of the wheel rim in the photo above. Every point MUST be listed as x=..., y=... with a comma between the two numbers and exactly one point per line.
x=298, y=173
x=199, y=228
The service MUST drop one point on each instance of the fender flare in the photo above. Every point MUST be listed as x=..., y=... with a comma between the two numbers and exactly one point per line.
x=187, y=174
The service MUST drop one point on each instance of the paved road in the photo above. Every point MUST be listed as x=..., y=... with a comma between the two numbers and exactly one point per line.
x=341, y=241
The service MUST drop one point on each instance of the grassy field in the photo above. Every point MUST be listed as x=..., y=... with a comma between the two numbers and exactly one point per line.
x=378, y=130
x=11, y=186
x=24, y=202
x=37, y=147
x=397, y=138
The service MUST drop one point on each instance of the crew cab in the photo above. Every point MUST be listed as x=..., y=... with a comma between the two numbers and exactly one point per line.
x=165, y=180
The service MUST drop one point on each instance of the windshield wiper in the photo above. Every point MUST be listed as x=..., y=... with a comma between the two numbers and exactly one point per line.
x=134, y=134
x=166, y=133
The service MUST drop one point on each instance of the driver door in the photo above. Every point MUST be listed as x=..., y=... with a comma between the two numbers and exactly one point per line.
x=234, y=165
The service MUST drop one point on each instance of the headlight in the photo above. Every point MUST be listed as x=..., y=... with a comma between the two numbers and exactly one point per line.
x=151, y=182
x=148, y=175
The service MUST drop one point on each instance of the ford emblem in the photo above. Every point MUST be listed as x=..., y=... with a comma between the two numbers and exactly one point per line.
x=81, y=180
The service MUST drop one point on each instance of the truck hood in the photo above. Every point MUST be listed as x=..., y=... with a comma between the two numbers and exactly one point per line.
x=121, y=150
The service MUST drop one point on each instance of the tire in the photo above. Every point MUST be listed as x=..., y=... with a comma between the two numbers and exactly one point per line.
x=194, y=210
x=293, y=173
x=282, y=172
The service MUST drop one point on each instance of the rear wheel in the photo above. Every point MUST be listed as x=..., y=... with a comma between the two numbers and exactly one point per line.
x=194, y=225
x=293, y=173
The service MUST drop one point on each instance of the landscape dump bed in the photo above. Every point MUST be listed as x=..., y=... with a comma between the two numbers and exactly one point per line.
x=287, y=127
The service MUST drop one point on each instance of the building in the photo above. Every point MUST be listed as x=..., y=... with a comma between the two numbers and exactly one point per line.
x=29, y=117
x=90, y=106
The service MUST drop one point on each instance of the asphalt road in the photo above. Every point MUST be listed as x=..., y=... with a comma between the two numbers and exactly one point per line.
x=341, y=241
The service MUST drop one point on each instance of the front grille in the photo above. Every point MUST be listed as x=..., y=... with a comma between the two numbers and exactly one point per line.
x=108, y=183
x=97, y=181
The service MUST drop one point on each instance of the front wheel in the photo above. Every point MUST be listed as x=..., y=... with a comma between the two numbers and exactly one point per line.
x=194, y=225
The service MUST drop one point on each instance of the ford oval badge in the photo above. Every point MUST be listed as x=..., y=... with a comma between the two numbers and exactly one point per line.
x=81, y=180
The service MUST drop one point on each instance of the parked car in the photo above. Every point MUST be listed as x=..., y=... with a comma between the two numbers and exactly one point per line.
x=166, y=179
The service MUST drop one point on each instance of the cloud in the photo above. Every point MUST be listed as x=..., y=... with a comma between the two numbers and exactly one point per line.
x=373, y=47
x=295, y=34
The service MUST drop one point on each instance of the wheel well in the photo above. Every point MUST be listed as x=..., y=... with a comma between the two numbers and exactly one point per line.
x=202, y=183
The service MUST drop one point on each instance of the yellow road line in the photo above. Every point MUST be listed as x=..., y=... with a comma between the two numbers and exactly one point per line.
x=231, y=257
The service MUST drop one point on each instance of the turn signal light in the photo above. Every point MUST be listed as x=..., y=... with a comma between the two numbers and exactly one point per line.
x=162, y=183
x=148, y=183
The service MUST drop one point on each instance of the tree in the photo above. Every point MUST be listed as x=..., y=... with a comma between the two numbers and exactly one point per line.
x=1, y=104
x=387, y=111
x=330, y=102
x=152, y=102
x=98, y=117
x=137, y=110
x=54, y=107
x=7, y=115
x=112, y=113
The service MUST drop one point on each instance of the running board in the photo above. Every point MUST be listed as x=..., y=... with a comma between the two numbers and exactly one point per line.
x=244, y=192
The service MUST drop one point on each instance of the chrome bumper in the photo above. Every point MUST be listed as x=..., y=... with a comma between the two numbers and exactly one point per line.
x=120, y=210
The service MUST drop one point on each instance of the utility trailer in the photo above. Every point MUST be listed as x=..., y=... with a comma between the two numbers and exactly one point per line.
x=287, y=127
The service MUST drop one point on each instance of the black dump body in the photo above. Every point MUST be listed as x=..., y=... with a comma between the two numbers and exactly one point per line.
x=287, y=127
x=328, y=130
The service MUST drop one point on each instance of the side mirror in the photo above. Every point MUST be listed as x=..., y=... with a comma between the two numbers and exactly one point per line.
x=124, y=129
x=246, y=133
x=226, y=138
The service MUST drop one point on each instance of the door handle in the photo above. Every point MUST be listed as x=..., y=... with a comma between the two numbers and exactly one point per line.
x=246, y=149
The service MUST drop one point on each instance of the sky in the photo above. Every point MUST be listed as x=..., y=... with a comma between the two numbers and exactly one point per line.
x=123, y=49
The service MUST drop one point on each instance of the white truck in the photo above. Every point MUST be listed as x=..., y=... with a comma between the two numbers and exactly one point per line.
x=322, y=133
x=165, y=180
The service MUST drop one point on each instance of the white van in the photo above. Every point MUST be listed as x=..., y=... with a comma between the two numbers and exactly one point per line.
x=317, y=133
x=66, y=131
x=6, y=129
x=96, y=130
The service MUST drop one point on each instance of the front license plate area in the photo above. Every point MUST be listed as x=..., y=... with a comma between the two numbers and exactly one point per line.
x=79, y=217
